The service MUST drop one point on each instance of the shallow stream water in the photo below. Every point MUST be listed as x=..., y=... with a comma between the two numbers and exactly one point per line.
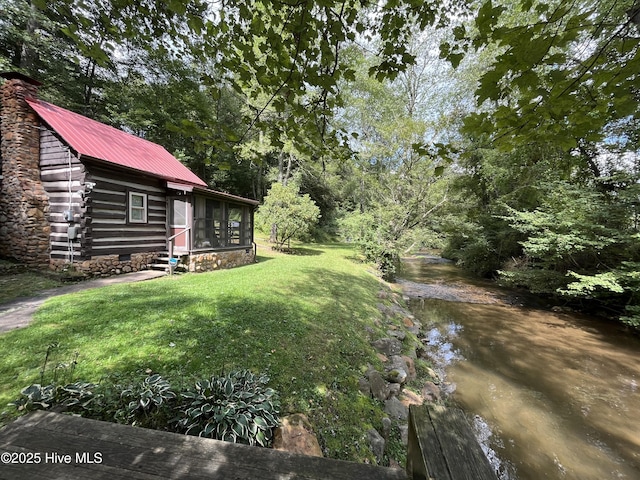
x=550, y=395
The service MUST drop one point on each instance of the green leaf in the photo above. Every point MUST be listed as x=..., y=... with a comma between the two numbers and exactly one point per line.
x=178, y=6
x=261, y=439
x=260, y=422
x=208, y=429
x=455, y=59
x=488, y=16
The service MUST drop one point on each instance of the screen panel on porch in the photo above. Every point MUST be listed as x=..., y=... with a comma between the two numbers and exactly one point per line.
x=239, y=226
x=208, y=232
x=235, y=225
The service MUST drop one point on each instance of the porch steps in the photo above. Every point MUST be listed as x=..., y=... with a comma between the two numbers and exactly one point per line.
x=161, y=263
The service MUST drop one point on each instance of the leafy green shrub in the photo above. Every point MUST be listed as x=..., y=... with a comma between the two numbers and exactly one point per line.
x=633, y=318
x=478, y=256
x=288, y=214
x=74, y=396
x=146, y=404
x=374, y=240
x=236, y=407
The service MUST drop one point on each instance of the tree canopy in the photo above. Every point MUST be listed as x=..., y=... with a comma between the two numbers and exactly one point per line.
x=282, y=55
x=562, y=72
x=503, y=130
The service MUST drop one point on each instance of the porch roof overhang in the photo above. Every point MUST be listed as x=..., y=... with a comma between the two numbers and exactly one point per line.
x=181, y=187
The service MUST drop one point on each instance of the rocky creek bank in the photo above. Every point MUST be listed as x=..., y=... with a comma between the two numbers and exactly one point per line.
x=406, y=377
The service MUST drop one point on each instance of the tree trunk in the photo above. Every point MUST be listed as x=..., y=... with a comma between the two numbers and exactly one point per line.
x=288, y=174
x=28, y=53
x=281, y=167
x=284, y=173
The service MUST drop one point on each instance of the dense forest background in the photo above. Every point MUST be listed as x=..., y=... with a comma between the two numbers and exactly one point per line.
x=504, y=133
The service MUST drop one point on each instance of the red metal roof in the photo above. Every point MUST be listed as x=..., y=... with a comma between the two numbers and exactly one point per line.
x=100, y=141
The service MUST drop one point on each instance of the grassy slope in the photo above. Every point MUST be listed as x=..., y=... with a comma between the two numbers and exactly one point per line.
x=299, y=318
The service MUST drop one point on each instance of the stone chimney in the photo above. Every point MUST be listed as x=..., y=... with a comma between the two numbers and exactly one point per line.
x=24, y=204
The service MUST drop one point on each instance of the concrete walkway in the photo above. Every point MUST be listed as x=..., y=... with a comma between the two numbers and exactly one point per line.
x=19, y=313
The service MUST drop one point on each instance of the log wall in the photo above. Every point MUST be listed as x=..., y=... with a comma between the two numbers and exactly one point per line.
x=107, y=228
x=107, y=242
x=63, y=177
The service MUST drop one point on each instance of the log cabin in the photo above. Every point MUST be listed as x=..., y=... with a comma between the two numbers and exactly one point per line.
x=76, y=193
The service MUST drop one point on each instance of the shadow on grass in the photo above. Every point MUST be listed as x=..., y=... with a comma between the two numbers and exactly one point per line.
x=308, y=336
x=304, y=251
x=301, y=251
x=178, y=325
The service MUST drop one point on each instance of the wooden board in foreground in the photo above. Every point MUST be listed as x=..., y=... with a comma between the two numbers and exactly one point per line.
x=442, y=446
x=54, y=446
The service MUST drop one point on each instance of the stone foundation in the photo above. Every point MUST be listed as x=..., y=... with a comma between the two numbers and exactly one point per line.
x=206, y=262
x=106, y=264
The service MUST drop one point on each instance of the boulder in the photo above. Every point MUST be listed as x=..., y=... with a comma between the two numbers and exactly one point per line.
x=379, y=388
x=398, y=370
x=388, y=346
x=404, y=434
x=397, y=361
x=431, y=392
x=411, y=368
x=394, y=389
x=295, y=435
x=395, y=409
x=377, y=444
x=397, y=375
x=410, y=398
x=364, y=386
x=386, y=427
x=399, y=334
x=382, y=357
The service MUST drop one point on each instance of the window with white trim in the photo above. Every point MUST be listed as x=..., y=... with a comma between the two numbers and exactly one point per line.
x=137, y=207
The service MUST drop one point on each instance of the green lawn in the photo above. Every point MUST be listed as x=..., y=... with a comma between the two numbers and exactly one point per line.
x=299, y=318
x=25, y=284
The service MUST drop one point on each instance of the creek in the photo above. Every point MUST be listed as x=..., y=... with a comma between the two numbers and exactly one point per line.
x=550, y=395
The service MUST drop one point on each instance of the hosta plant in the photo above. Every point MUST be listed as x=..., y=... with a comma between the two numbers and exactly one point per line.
x=72, y=396
x=147, y=402
x=236, y=407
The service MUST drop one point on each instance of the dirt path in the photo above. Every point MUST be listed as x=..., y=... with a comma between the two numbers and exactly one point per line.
x=19, y=313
